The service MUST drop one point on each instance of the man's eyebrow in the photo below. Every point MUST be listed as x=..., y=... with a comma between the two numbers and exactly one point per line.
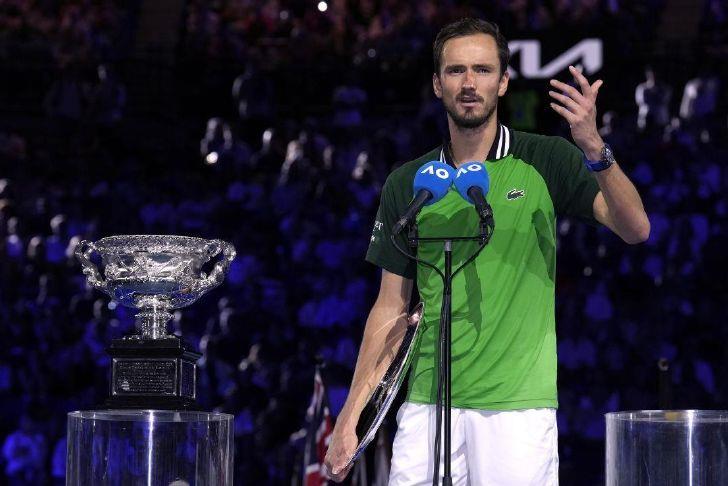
x=486, y=65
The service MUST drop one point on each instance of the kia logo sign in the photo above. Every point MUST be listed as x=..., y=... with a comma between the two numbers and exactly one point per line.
x=587, y=53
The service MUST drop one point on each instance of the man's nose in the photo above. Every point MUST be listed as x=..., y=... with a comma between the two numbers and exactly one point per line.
x=469, y=80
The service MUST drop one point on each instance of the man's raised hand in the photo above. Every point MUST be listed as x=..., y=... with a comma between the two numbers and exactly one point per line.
x=579, y=110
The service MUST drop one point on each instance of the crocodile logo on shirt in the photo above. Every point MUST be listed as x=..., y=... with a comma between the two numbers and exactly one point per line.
x=515, y=194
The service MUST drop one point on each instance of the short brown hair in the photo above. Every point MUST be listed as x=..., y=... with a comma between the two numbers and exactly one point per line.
x=470, y=26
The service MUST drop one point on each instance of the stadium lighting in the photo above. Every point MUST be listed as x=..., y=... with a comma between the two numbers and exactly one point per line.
x=211, y=158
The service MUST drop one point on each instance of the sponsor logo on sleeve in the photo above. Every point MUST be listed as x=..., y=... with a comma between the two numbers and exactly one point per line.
x=377, y=229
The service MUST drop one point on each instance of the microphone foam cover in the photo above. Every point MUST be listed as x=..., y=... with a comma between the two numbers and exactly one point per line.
x=472, y=174
x=435, y=177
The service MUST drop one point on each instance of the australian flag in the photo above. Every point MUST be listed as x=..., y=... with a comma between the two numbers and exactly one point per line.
x=318, y=434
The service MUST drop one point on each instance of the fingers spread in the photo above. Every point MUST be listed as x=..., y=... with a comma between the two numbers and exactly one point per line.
x=585, y=88
x=570, y=91
x=570, y=104
x=597, y=84
x=568, y=116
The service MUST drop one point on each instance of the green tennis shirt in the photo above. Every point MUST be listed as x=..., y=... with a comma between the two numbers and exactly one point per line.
x=503, y=317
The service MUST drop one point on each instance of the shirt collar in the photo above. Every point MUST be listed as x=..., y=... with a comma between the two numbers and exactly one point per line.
x=500, y=148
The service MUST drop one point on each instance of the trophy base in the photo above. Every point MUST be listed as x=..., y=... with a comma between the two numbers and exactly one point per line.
x=149, y=447
x=140, y=403
x=152, y=374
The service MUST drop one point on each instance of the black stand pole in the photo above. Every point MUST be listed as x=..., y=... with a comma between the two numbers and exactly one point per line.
x=443, y=405
x=446, y=361
x=444, y=337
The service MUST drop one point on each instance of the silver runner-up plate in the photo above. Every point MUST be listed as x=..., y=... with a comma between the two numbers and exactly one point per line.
x=389, y=373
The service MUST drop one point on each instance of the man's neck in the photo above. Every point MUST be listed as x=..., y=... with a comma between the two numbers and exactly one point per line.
x=468, y=144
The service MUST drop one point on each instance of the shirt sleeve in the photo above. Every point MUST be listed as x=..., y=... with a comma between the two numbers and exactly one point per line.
x=381, y=251
x=574, y=187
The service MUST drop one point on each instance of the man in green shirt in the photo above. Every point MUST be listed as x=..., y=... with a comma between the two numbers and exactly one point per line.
x=503, y=319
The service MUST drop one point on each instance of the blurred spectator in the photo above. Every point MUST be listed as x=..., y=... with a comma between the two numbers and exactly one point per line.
x=64, y=100
x=714, y=21
x=24, y=452
x=220, y=148
x=700, y=97
x=700, y=102
x=254, y=97
x=653, y=102
x=348, y=101
x=58, y=463
x=107, y=99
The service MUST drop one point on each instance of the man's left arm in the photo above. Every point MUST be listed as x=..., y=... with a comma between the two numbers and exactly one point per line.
x=618, y=205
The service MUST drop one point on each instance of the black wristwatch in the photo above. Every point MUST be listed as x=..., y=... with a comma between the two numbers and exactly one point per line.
x=606, y=160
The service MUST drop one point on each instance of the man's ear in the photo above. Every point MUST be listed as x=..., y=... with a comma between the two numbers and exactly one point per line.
x=436, y=85
x=503, y=83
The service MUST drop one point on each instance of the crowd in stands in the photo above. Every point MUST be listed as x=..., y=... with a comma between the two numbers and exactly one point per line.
x=69, y=32
x=297, y=195
x=392, y=28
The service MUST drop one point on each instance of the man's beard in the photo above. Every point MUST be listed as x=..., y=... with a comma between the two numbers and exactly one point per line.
x=470, y=120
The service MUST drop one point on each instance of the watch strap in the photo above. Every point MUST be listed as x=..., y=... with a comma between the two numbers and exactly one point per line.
x=605, y=161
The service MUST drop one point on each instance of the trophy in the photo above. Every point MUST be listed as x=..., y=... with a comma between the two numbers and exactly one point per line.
x=387, y=377
x=154, y=274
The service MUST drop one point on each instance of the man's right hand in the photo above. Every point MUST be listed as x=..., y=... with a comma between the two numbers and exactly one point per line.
x=341, y=449
x=391, y=305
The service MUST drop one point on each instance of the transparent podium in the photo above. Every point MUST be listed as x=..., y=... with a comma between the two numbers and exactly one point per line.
x=149, y=448
x=662, y=447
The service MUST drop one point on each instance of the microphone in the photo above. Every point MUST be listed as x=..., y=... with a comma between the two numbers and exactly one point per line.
x=430, y=185
x=473, y=183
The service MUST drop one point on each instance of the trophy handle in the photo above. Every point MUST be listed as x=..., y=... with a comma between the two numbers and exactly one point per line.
x=83, y=254
x=217, y=275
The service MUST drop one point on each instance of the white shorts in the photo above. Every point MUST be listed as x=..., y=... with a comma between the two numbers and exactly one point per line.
x=489, y=448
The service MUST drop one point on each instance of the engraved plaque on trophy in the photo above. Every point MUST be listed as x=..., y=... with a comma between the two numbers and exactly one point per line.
x=154, y=274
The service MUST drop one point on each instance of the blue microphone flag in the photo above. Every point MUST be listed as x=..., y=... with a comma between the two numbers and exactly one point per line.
x=469, y=175
x=434, y=177
x=430, y=185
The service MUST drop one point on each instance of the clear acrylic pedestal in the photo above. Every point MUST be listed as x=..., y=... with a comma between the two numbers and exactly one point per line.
x=149, y=448
x=665, y=448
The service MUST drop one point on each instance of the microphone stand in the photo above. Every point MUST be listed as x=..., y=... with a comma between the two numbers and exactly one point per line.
x=444, y=404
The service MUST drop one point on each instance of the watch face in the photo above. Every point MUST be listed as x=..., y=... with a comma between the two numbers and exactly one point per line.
x=607, y=154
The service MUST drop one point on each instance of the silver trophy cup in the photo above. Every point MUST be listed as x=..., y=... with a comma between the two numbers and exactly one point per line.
x=154, y=274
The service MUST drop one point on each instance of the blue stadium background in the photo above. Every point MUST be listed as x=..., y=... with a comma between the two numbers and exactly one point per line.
x=273, y=124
